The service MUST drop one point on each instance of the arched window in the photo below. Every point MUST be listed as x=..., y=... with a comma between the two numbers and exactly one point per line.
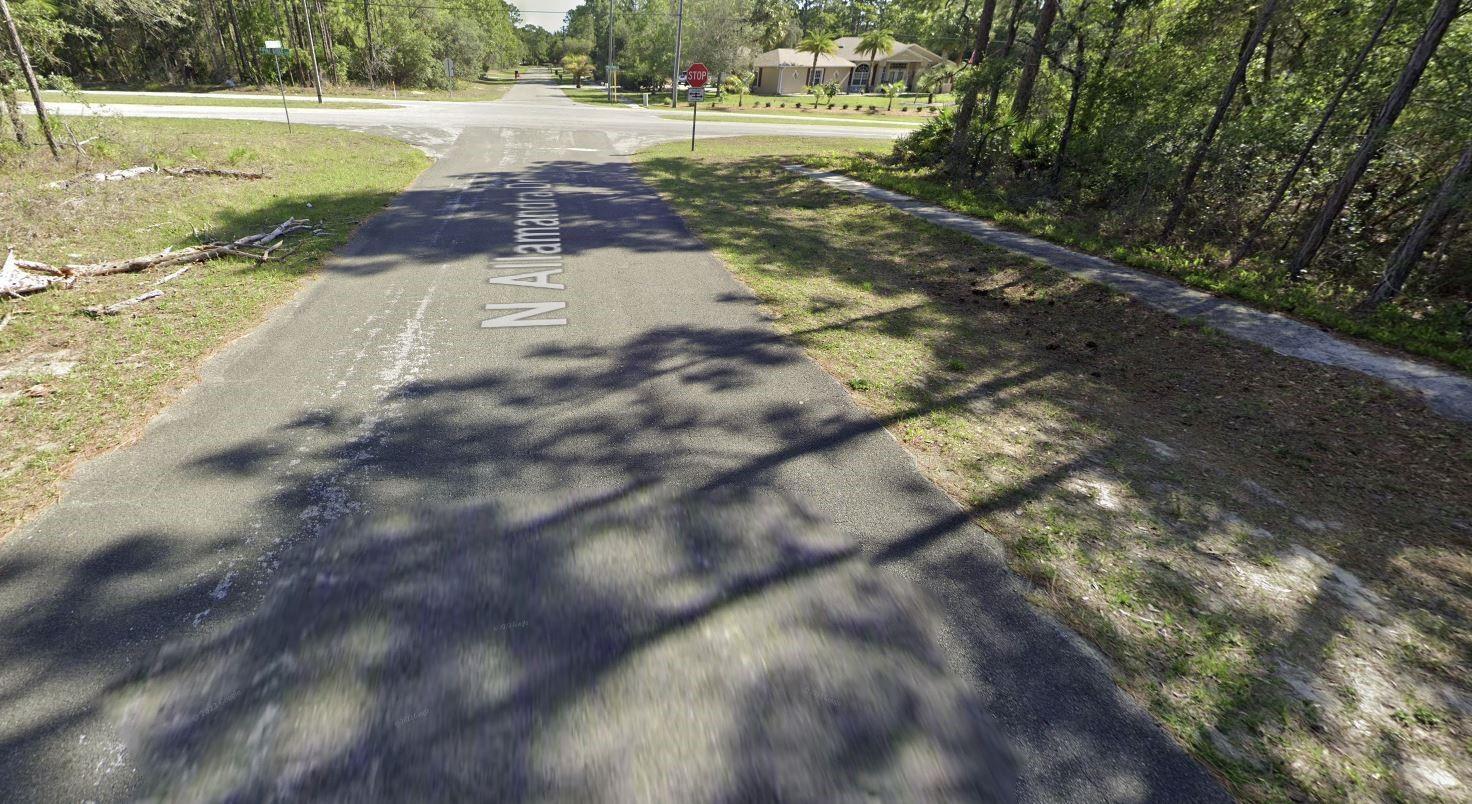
x=860, y=80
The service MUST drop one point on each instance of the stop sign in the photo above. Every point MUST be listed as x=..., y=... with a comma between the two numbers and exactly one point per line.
x=697, y=75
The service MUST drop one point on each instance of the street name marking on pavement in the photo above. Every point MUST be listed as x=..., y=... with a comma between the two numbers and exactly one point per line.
x=538, y=258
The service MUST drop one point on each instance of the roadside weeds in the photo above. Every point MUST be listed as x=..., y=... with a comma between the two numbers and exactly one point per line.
x=1273, y=554
x=73, y=386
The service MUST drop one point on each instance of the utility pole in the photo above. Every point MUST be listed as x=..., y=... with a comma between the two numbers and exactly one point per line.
x=608, y=68
x=312, y=43
x=368, y=23
x=25, y=67
x=679, y=32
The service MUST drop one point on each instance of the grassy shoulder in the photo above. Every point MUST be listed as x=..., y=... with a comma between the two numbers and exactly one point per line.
x=200, y=100
x=714, y=116
x=71, y=386
x=1274, y=555
x=1433, y=334
x=857, y=107
x=486, y=88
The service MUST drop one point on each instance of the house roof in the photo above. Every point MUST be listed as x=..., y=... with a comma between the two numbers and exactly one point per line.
x=848, y=47
x=791, y=57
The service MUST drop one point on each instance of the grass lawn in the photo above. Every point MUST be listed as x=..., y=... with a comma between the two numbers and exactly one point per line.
x=72, y=386
x=488, y=88
x=712, y=116
x=1274, y=554
x=203, y=100
x=1434, y=334
x=873, y=108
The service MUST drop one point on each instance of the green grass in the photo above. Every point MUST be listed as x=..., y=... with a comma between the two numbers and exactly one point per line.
x=124, y=368
x=1181, y=500
x=488, y=88
x=1434, y=334
x=203, y=100
x=873, y=108
x=716, y=117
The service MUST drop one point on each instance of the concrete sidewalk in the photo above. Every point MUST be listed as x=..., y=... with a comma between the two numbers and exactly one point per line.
x=1447, y=392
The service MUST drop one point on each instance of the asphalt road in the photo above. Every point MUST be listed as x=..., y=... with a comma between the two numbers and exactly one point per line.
x=397, y=544
x=434, y=125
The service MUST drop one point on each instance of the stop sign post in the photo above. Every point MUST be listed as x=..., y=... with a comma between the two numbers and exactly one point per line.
x=695, y=76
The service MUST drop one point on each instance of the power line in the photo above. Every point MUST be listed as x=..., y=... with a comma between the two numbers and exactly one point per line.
x=412, y=5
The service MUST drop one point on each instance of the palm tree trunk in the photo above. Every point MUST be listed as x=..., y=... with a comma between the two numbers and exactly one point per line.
x=1330, y=108
x=1408, y=253
x=1244, y=59
x=1410, y=76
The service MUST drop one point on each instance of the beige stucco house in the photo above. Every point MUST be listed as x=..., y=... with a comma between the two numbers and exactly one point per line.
x=786, y=71
x=902, y=63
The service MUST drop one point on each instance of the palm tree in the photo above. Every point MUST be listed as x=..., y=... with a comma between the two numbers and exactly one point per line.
x=579, y=65
x=874, y=43
x=892, y=91
x=738, y=83
x=818, y=43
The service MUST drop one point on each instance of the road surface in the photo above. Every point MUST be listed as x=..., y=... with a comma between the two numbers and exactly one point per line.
x=434, y=125
x=524, y=499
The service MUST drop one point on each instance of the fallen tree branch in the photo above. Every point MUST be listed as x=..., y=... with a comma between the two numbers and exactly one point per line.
x=143, y=170
x=17, y=282
x=116, y=175
x=114, y=309
x=288, y=226
x=205, y=171
x=173, y=276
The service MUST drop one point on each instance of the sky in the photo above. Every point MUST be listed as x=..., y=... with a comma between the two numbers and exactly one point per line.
x=545, y=13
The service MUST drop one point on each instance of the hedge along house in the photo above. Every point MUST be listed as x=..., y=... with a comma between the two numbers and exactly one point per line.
x=786, y=71
x=902, y=63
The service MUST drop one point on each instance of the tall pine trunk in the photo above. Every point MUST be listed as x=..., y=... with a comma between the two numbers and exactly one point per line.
x=989, y=112
x=1306, y=151
x=1410, y=76
x=30, y=76
x=1078, y=71
x=961, y=133
x=1091, y=94
x=12, y=110
x=1453, y=189
x=1244, y=59
x=1022, y=98
x=240, y=52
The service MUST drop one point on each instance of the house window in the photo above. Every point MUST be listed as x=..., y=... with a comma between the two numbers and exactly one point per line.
x=861, y=77
x=817, y=76
x=893, y=74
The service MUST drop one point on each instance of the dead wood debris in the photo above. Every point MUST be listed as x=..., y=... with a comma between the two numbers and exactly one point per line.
x=143, y=170
x=113, y=309
x=21, y=277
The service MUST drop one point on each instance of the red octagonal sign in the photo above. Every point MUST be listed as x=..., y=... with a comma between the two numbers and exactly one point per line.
x=697, y=75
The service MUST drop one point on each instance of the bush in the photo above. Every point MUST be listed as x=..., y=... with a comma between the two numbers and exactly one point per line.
x=925, y=146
